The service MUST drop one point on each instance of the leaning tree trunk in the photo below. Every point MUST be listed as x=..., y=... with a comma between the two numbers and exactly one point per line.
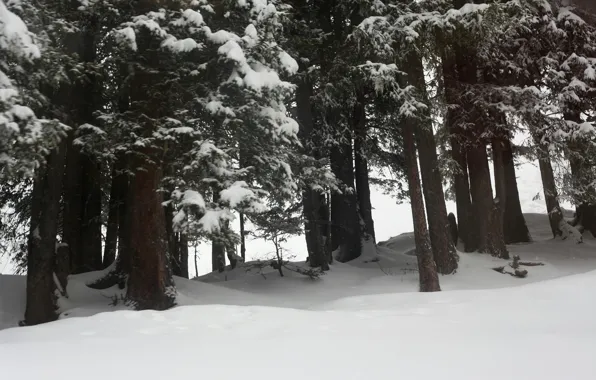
x=150, y=284
x=549, y=186
x=515, y=228
x=361, y=168
x=428, y=277
x=40, y=303
x=486, y=211
x=432, y=183
x=310, y=197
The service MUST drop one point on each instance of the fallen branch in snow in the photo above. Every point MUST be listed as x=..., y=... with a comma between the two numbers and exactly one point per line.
x=515, y=265
x=530, y=264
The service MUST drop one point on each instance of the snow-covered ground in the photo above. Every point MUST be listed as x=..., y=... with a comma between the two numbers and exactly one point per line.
x=362, y=320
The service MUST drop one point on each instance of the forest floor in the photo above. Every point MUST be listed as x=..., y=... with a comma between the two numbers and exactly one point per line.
x=361, y=320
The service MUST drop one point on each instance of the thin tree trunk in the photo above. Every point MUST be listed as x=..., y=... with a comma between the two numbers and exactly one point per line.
x=361, y=167
x=183, y=249
x=117, y=195
x=242, y=238
x=111, y=242
x=40, y=304
x=428, y=277
x=150, y=284
x=444, y=251
x=172, y=239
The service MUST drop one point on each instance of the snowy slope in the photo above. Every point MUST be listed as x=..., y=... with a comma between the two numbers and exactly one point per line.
x=539, y=331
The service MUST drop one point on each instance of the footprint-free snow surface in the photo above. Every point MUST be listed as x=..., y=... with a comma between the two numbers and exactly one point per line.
x=363, y=320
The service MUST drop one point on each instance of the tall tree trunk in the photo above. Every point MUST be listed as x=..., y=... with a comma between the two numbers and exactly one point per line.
x=73, y=205
x=428, y=277
x=82, y=214
x=486, y=211
x=361, y=167
x=467, y=230
x=120, y=269
x=432, y=183
x=515, y=228
x=150, y=284
x=40, y=304
x=310, y=197
x=90, y=245
x=344, y=213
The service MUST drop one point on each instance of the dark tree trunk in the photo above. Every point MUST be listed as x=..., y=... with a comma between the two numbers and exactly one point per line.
x=40, y=304
x=82, y=195
x=310, y=197
x=242, y=238
x=490, y=226
x=432, y=183
x=183, y=249
x=429, y=279
x=361, y=167
x=150, y=284
x=121, y=268
x=344, y=212
x=467, y=230
x=515, y=228
x=582, y=174
x=73, y=205
x=172, y=239
x=90, y=245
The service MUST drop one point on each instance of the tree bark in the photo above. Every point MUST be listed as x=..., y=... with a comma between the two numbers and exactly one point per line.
x=444, y=251
x=487, y=215
x=72, y=213
x=40, y=303
x=515, y=228
x=150, y=284
x=361, y=167
x=344, y=212
x=467, y=230
x=90, y=245
x=428, y=277
x=242, y=238
x=310, y=197
x=183, y=249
